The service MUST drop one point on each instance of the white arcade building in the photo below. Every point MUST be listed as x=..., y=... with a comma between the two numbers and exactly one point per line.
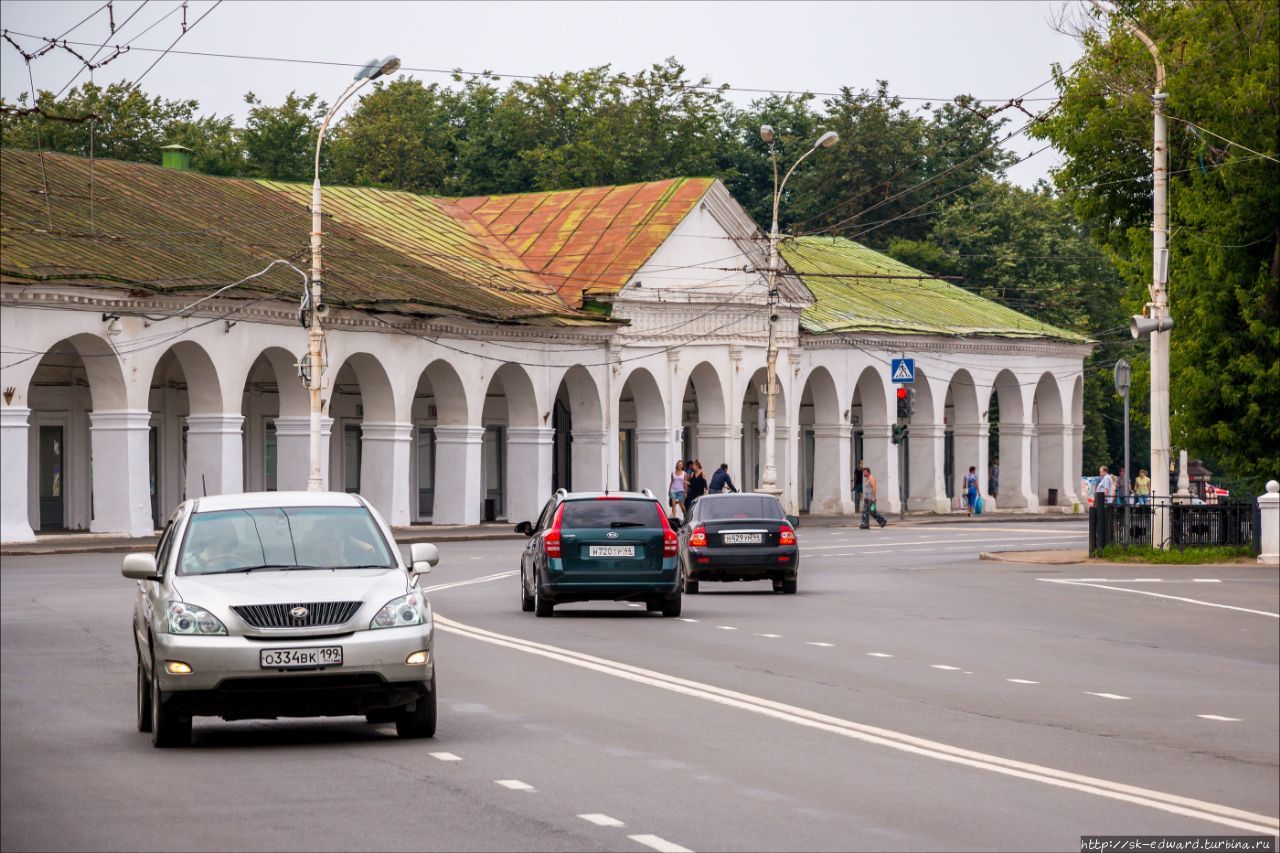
x=482, y=352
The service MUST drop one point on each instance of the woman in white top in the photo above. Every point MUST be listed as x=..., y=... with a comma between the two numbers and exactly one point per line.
x=676, y=493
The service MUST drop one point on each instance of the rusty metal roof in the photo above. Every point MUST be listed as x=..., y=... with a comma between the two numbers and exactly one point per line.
x=155, y=230
x=592, y=239
x=861, y=290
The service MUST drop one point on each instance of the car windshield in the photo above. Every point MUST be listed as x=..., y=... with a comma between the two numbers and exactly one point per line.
x=739, y=506
x=611, y=513
x=283, y=538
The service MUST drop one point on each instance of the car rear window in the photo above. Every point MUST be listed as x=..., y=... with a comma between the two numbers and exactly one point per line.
x=739, y=506
x=623, y=512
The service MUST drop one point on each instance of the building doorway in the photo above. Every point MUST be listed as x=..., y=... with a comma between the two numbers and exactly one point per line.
x=52, y=494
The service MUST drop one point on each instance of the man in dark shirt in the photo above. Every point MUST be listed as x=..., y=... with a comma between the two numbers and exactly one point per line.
x=697, y=486
x=720, y=480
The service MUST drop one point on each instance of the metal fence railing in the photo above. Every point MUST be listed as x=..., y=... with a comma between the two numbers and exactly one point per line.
x=1189, y=524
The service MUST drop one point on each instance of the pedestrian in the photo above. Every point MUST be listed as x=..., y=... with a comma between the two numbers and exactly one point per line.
x=869, y=504
x=675, y=494
x=1122, y=487
x=697, y=486
x=993, y=478
x=1106, y=486
x=971, y=487
x=1142, y=487
x=857, y=487
x=720, y=480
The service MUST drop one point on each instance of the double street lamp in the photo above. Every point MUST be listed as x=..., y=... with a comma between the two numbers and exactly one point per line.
x=769, y=480
x=314, y=308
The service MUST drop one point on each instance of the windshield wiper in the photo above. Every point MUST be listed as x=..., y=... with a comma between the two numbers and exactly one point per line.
x=366, y=566
x=628, y=524
x=279, y=567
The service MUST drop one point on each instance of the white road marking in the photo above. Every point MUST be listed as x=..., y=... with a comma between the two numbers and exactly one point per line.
x=1107, y=695
x=601, y=820
x=659, y=844
x=1220, y=719
x=1067, y=582
x=1021, y=681
x=514, y=784
x=770, y=636
x=1141, y=580
x=1206, y=580
x=485, y=579
x=1170, y=803
x=878, y=655
x=687, y=620
x=444, y=756
x=942, y=666
x=823, y=645
x=726, y=628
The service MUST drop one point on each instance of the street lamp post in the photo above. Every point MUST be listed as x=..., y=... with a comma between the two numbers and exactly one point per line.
x=315, y=306
x=769, y=480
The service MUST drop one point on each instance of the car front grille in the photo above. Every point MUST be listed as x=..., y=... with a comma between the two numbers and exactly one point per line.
x=319, y=613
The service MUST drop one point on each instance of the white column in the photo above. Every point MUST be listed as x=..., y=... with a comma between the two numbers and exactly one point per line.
x=458, y=487
x=529, y=463
x=655, y=458
x=928, y=448
x=788, y=452
x=385, y=448
x=715, y=445
x=880, y=454
x=293, y=451
x=121, y=473
x=832, y=452
x=587, y=454
x=15, y=524
x=1269, y=504
x=1056, y=465
x=1016, y=491
x=971, y=450
x=215, y=455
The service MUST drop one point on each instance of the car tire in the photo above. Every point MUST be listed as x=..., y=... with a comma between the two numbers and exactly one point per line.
x=144, y=699
x=526, y=600
x=671, y=606
x=690, y=587
x=789, y=587
x=542, y=606
x=421, y=721
x=777, y=584
x=168, y=727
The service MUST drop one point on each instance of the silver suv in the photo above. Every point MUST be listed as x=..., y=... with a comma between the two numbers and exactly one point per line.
x=281, y=604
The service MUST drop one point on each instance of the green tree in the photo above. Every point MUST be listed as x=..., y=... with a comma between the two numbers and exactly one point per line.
x=279, y=142
x=1223, y=74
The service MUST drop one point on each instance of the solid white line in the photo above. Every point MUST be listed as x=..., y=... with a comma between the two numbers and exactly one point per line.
x=1221, y=719
x=770, y=636
x=1206, y=580
x=1107, y=695
x=659, y=844
x=514, y=784
x=1147, y=797
x=1160, y=595
x=1021, y=681
x=823, y=645
x=601, y=820
x=942, y=666
x=634, y=604
x=878, y=655
x=485, y=579
x=928, y=544
x=444, y=756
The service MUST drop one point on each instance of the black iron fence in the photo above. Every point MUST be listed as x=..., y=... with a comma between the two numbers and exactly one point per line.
x=1190, y=524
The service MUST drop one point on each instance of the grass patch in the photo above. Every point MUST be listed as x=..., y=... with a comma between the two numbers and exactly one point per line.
x=1174, y=556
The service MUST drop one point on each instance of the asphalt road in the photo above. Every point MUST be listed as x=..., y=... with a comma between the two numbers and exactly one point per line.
x=910, y=697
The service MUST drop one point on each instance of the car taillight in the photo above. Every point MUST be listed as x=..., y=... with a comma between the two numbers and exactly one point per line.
x=670, y=542
x=551, y=541
x=698, y=538
x=786, y=536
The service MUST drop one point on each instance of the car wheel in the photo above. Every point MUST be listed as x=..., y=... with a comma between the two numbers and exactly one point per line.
x=671, y=606
x=526, y=600
x=691, y=587
x=789, y=587
x=168, y=727
x=541, y=605
x=144, y=699
x=421, y=721
x=777, y=584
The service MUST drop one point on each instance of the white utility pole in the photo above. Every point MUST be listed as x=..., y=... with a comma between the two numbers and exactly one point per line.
x=769, y=478
x=315, y=305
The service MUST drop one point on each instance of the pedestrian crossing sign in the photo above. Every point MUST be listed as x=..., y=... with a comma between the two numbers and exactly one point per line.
x=903, y=370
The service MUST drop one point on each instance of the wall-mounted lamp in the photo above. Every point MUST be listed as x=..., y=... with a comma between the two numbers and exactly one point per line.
x=113, y=324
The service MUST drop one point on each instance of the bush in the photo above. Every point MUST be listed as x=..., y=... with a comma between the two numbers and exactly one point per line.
x=1174, y=556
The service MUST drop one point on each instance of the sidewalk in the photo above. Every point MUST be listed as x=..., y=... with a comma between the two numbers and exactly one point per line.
x=110, y=543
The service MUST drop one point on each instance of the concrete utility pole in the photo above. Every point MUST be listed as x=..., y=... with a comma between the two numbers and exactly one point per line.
x=769, y=478
x=315, y=307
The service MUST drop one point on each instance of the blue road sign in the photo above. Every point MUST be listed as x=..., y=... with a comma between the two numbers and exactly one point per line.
x=903, y=370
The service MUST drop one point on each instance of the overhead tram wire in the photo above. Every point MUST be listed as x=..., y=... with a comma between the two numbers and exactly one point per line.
x=88, y=63
x=185, y=30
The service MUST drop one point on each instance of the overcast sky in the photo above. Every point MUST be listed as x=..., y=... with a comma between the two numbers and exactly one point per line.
x=929, y=50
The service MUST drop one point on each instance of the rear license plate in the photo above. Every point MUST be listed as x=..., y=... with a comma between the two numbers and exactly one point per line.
x=743, y=538
x=611, y=550
x=306, y=658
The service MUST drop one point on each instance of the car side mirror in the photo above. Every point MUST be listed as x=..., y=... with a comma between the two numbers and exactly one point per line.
x=422, y=556
x=675, y=523
x=525, y=527
x=141, y=567
x=793, y=520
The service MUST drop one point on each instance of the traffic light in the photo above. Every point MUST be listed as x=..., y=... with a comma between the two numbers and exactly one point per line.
x=899, y=434
x=906, y=399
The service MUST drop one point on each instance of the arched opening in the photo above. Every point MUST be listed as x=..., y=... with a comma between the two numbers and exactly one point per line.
x=965, y=432
x=643, y=442
x=704, y=424
x=360, y=404
x=872, y=422
x=1006, y=444
x=825, y=468
x=515, y=458
x=753, y=412
x=277, y=424
x=578, y=446
x=923, y=449
x=439, y=415
x=1050, y=451
x=189, y=438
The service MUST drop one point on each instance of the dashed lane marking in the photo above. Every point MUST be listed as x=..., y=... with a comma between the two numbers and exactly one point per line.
x=601, y=820
x=444, y=756
x=514, y=784
x=1021, y=681
x=485, y=579
x=659, y=844
x=771, y=636
x=879, y=655
x=942, y=666
x=822, y=645
x=682, y=619
x=1220, y=719
x=726, y=628
x=1069, y=582
x=1107, y=695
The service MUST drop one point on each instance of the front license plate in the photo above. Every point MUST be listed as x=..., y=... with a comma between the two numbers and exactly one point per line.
x=308, y=658
x=611, y=550
x=743, y=538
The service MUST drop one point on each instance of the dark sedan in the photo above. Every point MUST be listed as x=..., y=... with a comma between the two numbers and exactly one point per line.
x=739, y=537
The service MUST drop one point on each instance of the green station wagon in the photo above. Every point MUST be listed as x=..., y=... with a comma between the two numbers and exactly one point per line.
x=589, y=546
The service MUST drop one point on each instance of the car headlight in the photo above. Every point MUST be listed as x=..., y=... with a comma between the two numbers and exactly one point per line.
x=183, y=618
x=411, y=609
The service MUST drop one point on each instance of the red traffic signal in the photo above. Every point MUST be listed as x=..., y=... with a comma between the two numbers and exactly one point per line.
x=902, y=393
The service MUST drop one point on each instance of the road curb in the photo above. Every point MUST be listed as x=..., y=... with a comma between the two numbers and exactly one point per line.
x=144, y=547
x=1035, y=558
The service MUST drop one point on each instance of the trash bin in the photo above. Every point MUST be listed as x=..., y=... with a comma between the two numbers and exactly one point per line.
x=1053, y=497
x=490, y=509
